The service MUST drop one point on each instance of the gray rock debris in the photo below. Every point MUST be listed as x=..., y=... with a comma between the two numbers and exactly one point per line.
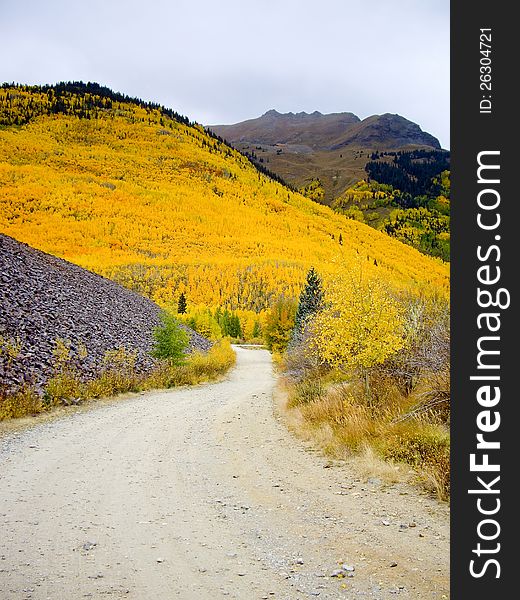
x=44, y=298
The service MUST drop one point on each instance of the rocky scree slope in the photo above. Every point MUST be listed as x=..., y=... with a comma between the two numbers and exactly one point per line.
x=44, y=298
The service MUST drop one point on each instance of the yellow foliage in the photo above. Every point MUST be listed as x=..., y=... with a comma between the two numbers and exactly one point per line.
x=163, y=208
x=201, y=320
x=361, y=325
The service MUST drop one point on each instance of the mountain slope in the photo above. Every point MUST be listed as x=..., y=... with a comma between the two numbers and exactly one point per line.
x=387, y=132
x=134, y=193
x=333, y=148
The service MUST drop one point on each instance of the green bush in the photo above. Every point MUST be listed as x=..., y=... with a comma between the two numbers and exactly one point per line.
x=171, y=340
x=203, y=322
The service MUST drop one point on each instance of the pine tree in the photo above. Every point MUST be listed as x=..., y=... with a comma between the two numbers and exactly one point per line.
x=230, y=324
x=257, y=330
x=235, y=330
x=182, y=306
x=311, y=300
x=224, y=322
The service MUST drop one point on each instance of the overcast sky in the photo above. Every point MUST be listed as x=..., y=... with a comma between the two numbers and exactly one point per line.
x=223, y=61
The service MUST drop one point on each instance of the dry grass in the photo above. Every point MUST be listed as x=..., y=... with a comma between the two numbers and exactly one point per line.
x=337, y=417
x=118, y=376
x=426, y=447
x=373, y=465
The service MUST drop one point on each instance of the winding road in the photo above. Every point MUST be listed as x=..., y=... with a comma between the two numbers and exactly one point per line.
x=202, y=493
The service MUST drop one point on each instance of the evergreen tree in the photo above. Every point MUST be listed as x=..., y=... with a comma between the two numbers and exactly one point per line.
x=257, y=330
x=311, y=300
x=182, y=306
x=224, y=322
x=230, y=324
x=235, y=328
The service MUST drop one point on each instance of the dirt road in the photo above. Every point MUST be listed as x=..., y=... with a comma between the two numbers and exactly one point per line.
x=201, y=493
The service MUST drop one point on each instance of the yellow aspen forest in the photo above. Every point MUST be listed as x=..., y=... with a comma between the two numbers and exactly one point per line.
x=137, y=194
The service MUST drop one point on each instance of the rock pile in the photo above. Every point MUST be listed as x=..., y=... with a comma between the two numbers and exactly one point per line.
x=44, y=299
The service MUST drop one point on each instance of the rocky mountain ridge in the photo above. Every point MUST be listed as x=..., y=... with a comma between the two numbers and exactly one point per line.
x=332, y=148
x=328, y=131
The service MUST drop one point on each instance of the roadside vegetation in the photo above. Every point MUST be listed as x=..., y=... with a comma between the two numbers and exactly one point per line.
x=367, y=372
x=173, y=367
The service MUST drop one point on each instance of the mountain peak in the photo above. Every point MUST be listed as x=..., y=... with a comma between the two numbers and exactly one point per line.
x=333, y=148
x=389, y=131
x=302, y=129
x=291, y=115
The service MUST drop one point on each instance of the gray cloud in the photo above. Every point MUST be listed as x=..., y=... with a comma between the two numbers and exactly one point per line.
x=225, y=61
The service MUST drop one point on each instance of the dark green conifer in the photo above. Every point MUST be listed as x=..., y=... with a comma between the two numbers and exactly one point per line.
x=182, y=305
x=257, y=330
x=311, y=300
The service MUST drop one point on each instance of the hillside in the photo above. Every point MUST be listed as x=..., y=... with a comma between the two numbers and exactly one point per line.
x=44, y=299
x=138, y=194
x=333, y=148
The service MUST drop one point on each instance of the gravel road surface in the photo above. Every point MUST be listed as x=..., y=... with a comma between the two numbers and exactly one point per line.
x=202, y=493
